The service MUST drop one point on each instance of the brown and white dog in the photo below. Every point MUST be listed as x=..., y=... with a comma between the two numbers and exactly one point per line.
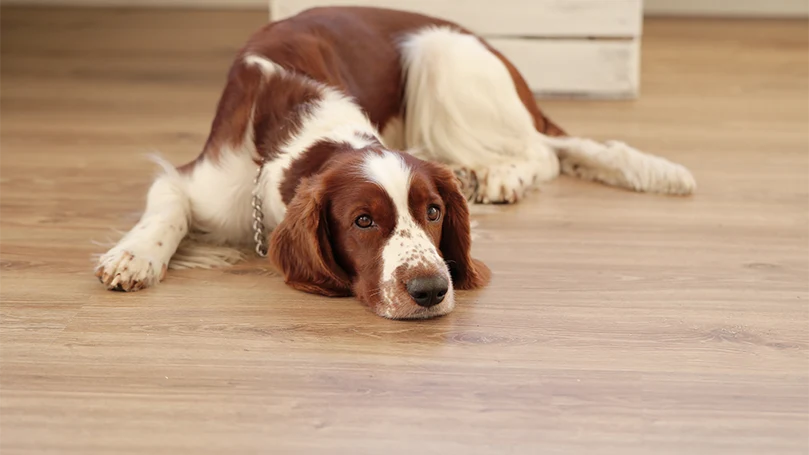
x=368, y=129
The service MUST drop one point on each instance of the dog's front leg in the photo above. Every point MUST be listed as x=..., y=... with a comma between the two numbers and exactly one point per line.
x=141, y=258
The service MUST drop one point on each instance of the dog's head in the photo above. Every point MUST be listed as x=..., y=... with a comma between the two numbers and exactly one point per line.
x=384, y=226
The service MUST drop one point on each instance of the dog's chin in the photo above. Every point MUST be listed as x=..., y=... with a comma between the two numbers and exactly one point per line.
x=406, y=308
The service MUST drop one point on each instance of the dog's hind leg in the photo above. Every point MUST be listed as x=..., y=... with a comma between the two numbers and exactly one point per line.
x=462, y=109
x=617, y=164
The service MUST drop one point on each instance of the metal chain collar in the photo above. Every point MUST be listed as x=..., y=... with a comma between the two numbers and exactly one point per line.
x=259, y=237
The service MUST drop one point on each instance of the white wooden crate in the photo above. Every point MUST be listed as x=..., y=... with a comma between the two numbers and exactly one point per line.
x=579, y=48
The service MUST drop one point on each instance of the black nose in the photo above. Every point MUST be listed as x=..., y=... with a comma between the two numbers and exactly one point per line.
x=428, y=291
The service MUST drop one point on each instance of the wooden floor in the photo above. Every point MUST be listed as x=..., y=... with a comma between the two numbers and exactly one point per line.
x=617, y=323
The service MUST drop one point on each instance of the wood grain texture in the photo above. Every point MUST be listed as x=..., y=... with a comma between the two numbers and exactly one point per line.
x=616, y=323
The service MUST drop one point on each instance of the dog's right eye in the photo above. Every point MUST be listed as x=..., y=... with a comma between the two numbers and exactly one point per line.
x=364, y=221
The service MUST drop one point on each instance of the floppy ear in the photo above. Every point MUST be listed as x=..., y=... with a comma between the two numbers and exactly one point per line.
x=456, y=238
x=300, y=246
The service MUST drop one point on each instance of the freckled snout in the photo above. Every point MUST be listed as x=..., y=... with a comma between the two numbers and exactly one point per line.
x=428, y=291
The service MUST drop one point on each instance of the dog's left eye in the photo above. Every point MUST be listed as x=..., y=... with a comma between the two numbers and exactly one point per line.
x=433, y=213
x=364, y=221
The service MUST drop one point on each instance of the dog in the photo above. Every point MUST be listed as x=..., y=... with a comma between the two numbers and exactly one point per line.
x=358, y=137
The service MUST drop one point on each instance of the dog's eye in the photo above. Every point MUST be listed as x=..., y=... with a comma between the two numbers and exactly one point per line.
x=364, y=221
x=433, y=213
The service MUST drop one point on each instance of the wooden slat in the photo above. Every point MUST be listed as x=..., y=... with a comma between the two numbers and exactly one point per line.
x=537, y=18
x=590, y=68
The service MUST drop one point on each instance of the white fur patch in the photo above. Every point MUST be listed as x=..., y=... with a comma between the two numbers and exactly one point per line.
x=220, y=193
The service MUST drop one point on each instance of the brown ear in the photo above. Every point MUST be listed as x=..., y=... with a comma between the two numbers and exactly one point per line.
x=456, y=238
x=300, y=246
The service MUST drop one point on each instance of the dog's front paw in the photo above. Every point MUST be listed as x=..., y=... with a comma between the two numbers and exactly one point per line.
x=128, y=270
